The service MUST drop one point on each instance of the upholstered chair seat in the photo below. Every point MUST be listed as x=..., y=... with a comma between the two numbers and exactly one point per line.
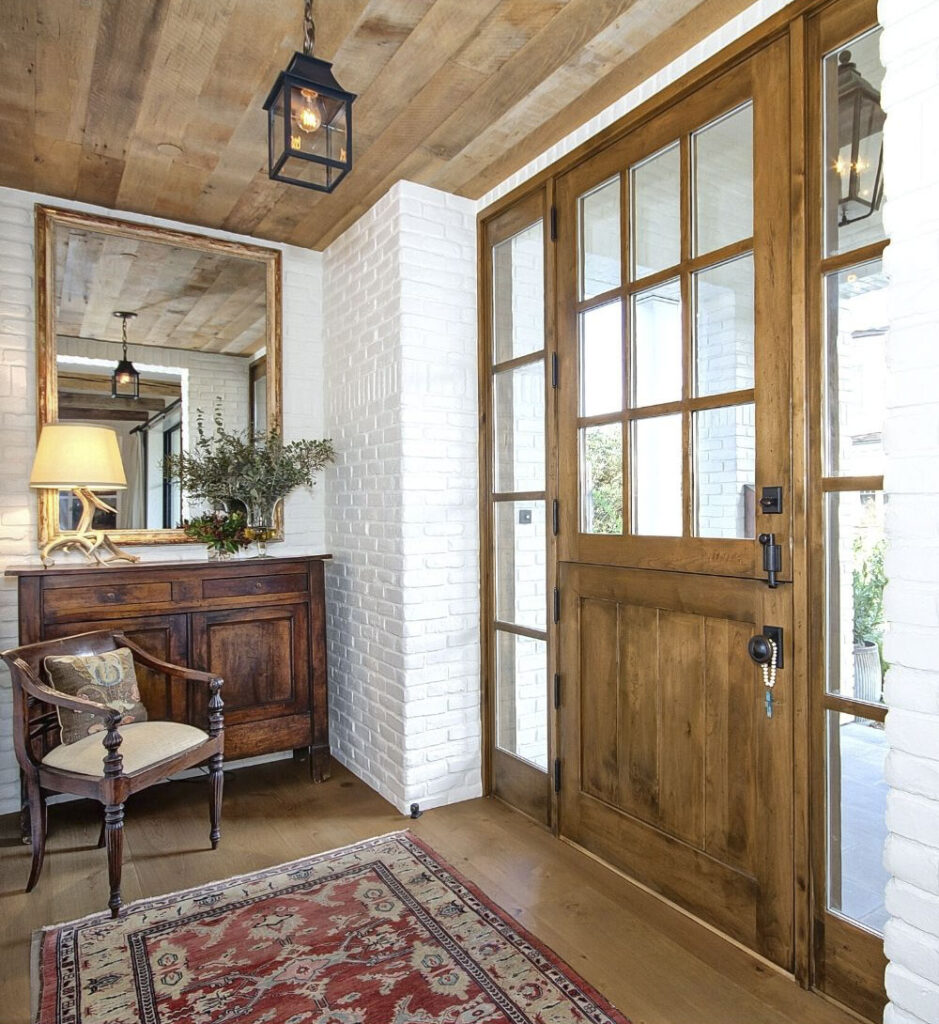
x=144, y=744
x=80, y=726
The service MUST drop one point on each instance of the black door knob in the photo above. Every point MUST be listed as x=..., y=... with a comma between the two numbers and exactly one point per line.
x=759, y=650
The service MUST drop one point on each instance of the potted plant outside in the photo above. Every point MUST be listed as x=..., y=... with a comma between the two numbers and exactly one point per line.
x=867, y=586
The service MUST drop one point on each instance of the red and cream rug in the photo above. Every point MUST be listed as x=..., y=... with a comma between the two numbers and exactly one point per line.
x=382, y=932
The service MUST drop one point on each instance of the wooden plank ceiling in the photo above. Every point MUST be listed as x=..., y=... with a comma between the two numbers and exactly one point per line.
x=155, y=106
x=184, y=298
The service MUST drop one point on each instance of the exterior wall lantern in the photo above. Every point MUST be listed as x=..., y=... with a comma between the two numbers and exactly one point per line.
x=860, y=159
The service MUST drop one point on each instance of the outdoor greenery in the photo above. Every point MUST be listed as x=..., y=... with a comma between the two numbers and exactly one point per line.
x=605, y=459
x=228, y=468
x=868, y=581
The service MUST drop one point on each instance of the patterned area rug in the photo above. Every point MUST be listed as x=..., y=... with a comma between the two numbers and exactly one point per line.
x=382, y=932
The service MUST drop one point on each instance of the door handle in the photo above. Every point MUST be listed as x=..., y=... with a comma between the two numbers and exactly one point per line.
x=772, y=558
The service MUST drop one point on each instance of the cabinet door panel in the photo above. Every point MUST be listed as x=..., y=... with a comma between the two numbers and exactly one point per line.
x=263, y=654
x=163, y=636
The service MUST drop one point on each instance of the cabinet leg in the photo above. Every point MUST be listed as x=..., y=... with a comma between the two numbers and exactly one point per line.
x=319, y=764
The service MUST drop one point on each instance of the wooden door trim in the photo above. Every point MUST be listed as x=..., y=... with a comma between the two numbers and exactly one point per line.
x=846, y=961
x=522, y=784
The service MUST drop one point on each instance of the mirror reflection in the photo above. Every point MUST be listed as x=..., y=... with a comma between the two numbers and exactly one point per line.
x=198, y=335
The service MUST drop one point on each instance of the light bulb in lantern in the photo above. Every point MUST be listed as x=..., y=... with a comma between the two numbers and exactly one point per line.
x=308, y=114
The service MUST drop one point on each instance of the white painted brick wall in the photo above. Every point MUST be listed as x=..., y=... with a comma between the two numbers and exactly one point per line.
x=403, y=591
x=910, y=97
x=303, y=417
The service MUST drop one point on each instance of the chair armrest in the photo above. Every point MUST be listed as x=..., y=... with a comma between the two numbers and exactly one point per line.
x=35, y=688
x=176, y=671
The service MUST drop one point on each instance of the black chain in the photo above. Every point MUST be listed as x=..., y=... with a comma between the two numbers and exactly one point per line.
x=309, y=30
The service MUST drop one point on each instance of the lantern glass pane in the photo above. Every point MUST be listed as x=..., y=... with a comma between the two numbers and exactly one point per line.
x=853, y=145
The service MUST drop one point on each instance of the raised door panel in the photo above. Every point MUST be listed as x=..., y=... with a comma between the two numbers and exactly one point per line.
x=263, y=654
x=671, y=768
x=163, y=636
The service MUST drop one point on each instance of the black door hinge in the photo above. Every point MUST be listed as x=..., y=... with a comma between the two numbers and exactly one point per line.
x=557, y=605
x=557, y=775
x=554, y=369
x=554, y=223
x=555, y=516
x=557, y=690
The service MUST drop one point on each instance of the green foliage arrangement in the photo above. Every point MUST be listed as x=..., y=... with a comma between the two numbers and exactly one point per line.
x=605, y=456
x=221, y=531
x=867, y=584
x=255, y=471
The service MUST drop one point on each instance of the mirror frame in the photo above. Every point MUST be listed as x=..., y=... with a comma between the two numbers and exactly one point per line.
x=48, y=218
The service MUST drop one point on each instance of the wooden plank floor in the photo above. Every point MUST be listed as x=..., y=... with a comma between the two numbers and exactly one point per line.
x=651, y=961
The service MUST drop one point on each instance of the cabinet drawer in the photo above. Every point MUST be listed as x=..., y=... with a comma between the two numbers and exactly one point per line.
x=255, y=586
x=61, y=603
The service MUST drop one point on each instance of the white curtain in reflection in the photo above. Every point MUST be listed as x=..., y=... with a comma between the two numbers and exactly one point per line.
x=130, y=506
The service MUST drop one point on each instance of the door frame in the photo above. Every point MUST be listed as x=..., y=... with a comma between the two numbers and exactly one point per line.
x=798, y=24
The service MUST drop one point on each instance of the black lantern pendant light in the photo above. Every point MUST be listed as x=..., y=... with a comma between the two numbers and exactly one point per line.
x=125, y=373
x=309, y=120
x=860, y=143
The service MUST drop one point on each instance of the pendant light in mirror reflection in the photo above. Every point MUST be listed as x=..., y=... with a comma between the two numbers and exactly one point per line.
x=309, y=120
x=125, y=380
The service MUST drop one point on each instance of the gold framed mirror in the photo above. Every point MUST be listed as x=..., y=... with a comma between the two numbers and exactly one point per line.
x=206, y=335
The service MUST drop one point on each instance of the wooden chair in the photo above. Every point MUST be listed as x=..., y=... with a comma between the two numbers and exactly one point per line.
x=154, y=750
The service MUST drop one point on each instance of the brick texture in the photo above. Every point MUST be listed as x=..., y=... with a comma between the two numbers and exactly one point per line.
x=403, y=589
x=910, y=96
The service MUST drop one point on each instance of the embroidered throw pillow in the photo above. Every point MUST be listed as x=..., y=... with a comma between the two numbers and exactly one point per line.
x=107, y=678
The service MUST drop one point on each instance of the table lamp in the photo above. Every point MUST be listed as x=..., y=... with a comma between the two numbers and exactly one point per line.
x=81, y=459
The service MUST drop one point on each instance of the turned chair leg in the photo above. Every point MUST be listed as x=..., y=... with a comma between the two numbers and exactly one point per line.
x=215, y=799
x=114, y=841
x=37, y=828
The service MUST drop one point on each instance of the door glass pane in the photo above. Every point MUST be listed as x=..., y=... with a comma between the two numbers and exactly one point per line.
x=656, y=344
x=518, y=428
x=722, y=155
x=725, y=471
x=601, y=359
x=520, y=566
x=600, y=240
x=854, y=138
x=656, y=212
x=522, y=697
x=656, y=476
x=854, y=548
x=857, y=810
x=601, y=485
x=518, y=294
x=855, y=385
x=723, y=297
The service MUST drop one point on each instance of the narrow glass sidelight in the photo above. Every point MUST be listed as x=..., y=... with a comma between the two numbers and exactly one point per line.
x=518, y=427
x=518, y=294
x=854, y=143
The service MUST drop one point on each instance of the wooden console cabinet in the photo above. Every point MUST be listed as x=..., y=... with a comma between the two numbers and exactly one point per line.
x=258, y=623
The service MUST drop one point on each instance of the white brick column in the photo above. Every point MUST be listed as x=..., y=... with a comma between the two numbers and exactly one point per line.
x=403, y=590
x=910, y=53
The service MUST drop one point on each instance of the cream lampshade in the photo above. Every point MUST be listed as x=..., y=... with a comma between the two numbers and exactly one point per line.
x=83, y=459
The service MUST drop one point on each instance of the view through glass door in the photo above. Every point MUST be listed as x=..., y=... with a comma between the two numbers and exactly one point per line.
x=674, y=455
x=514, y=387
